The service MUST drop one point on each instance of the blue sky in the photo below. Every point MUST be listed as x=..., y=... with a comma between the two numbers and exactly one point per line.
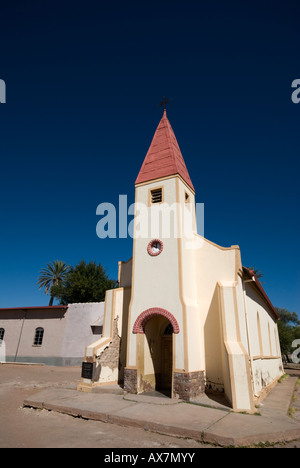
x=84, y=80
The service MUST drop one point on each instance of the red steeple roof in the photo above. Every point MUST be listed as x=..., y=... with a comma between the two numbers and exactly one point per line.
x=164, y=157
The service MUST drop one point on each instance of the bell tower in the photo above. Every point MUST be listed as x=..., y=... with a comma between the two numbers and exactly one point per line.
x=164, y=299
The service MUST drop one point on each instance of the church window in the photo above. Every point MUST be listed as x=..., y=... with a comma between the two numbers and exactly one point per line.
x=155, y=247
x=156, y=195
x=276, y=342
x=38, y=337
x=187, y=198
x=270, y=341
x=2, y=333
x=97, y=329
x=259, y=336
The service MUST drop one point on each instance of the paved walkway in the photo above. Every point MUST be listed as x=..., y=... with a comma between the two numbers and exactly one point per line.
x=217, y=425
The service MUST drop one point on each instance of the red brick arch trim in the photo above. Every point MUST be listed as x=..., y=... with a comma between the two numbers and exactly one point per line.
x=141, y=321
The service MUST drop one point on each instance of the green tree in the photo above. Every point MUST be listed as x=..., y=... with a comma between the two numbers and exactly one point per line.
x=289, y=330
x=53, y=275
x=288, y=317
x=86, y=282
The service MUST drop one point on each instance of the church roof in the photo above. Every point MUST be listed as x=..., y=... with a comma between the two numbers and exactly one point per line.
x=164, y=157
x=257, y=284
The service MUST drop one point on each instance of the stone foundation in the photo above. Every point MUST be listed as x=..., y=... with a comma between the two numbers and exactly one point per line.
x=110, y=356
x=188, y=385
x=130, y=380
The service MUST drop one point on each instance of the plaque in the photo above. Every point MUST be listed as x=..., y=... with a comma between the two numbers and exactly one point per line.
x=88, y=370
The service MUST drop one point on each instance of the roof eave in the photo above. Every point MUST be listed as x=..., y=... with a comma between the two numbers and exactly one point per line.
x=258, y=286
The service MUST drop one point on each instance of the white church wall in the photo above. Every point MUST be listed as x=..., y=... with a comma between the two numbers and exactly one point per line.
x=125, y=274
x=187, y=245
x=264, y=341
x=239, y=392
x=243, y=326
x=108, y=313
x=262, y=325
x=151, y=289
x=213, y=264
x=265, y=371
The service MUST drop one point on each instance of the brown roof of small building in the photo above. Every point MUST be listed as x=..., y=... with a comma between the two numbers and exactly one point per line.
x=57, y=307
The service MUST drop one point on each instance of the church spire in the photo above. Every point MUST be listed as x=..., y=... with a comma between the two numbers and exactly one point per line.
x=164, y=157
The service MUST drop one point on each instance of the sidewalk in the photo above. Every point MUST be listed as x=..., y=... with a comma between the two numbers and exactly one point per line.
x=159, y=414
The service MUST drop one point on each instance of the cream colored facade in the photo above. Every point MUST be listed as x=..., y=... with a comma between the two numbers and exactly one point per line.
x=223, y=336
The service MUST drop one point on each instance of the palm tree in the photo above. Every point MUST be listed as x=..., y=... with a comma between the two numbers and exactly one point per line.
x=258, y=273
x=53, y=275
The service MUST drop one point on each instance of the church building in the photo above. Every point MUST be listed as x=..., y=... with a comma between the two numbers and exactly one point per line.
x=187, y=317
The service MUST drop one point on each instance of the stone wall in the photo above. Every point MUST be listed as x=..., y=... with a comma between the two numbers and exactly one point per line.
x=108, y=362
x=130, y=380
x=188, y=385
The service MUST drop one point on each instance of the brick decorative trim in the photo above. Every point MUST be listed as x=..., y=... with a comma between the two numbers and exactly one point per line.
x=150, y=246
x=144, y=317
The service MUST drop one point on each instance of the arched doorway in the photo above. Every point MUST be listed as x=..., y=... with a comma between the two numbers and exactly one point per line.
x=158, y=355
x=155, y=329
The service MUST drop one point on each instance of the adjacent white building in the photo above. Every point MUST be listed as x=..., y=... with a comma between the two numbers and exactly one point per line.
x=53, y=335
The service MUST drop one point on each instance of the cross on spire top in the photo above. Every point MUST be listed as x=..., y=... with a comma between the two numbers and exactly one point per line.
x=165, y=101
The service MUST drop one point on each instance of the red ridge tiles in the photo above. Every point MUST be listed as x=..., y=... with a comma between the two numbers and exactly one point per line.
x=144, y=317
x=164, y=157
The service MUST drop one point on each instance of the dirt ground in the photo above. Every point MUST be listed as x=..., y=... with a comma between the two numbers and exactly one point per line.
x=28, y=428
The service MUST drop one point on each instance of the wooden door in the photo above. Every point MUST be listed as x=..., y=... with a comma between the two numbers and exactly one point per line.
x=166, y=362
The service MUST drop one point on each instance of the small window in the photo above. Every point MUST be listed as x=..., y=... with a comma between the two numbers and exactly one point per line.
x=97, y=329
x=155, y=247
x=187, y=198
x=2, y=333
x=39, y=336
x=156, y=195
